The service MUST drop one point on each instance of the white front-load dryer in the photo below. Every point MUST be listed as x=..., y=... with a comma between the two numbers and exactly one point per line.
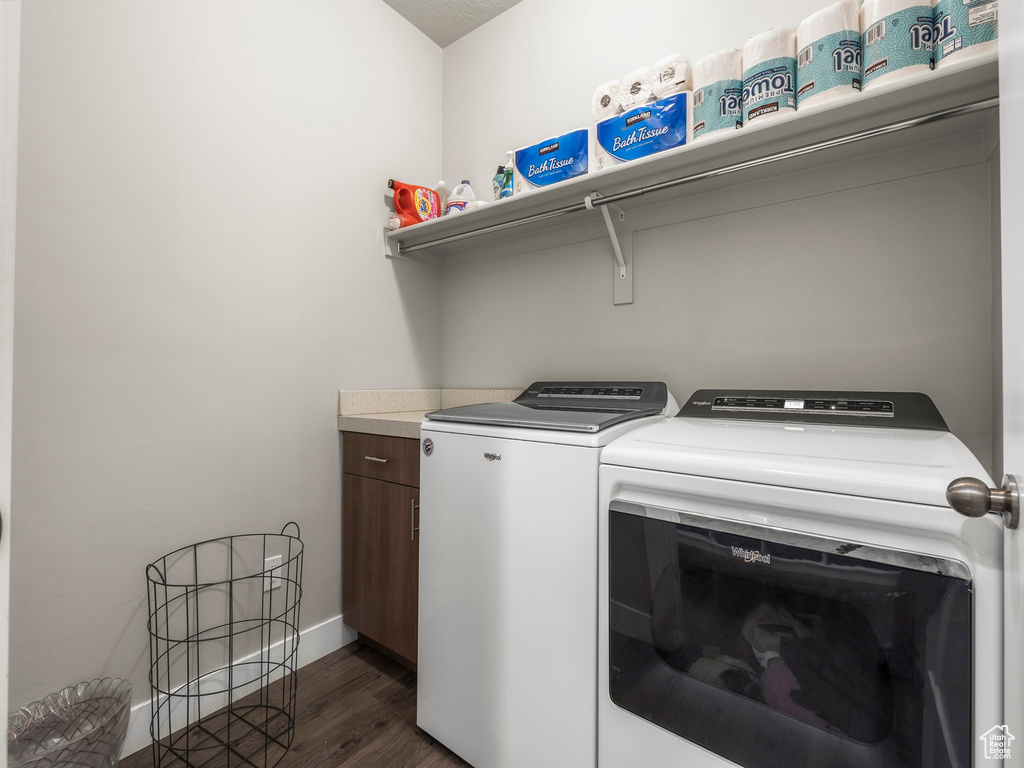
x=782, y=585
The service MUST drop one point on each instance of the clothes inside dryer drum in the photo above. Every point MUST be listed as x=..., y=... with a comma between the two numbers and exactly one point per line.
x=843, y=674
x=794, y=660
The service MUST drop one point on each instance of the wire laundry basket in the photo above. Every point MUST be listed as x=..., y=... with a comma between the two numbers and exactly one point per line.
x=223, y=647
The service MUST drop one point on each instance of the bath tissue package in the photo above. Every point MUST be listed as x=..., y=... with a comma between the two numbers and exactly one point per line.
x=549, y=162
x=828, y=62
x=643, y=131
x=606, y=100
x=718, y=93
x=964, y=28
x=636, y=88
x=769, y=74
x=898, y=39
x=671, y=75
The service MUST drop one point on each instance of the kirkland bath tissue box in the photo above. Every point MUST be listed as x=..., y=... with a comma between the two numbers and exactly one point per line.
x=644, y=130
x=549, y=162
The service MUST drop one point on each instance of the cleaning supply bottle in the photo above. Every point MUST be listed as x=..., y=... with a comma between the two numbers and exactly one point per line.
x=442, y=194
x=459, y=197
x=506, y=181
x=497, y=181
x=414, y=204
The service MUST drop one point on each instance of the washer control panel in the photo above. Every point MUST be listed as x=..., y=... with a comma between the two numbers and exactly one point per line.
x=616, y=393
x=593, y=395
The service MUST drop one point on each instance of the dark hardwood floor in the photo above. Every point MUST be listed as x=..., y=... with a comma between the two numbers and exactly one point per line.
x=355, y=707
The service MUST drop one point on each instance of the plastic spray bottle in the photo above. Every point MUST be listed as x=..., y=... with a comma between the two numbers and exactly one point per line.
x=506, y=181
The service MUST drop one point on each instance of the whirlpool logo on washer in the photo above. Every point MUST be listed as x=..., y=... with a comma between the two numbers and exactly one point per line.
x=751, y=556
x=492, y=456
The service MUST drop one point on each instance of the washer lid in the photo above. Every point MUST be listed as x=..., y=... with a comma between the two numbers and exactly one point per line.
x=909, y=465
x=573, y=406
x=555, y=417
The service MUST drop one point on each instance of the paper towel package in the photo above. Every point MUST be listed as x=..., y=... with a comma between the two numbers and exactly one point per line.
x=898, y=39
x=718, y=93
x=965, y=28
x=769, y=75
x=828, y=62
x=551, y=161
x=643, y=131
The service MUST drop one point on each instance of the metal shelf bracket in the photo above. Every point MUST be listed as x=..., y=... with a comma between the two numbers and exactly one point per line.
x=391, y=252
x=615, y=233
x=622, y=245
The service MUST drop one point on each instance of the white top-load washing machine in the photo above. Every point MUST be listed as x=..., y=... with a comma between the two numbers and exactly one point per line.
x=507, y=667
x=782, y=585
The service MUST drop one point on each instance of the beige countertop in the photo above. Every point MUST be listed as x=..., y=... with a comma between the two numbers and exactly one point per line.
x=399, y=412
x=397, y=424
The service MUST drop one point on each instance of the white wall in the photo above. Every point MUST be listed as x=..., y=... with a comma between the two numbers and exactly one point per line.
x=725, y=295
x=199, y=271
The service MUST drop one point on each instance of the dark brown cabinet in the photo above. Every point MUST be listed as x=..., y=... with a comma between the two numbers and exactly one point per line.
x=380, y=551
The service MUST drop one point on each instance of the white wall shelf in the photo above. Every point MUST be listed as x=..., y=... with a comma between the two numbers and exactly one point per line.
x=940, y=104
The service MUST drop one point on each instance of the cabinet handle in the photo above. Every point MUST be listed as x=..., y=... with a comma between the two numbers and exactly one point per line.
x=412, y=520
x=374, y=458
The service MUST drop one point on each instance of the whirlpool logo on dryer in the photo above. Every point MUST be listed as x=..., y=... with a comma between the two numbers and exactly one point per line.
x=492, y=456
x=751, y=556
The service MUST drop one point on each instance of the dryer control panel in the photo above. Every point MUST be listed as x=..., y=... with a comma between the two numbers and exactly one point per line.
x=906, y=410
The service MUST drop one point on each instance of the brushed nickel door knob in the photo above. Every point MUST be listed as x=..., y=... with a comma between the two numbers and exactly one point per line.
x=973, y=498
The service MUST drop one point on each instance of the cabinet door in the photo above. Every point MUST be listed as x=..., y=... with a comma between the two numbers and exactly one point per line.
x=399, y=570
x=380, y=568
x=362, y=501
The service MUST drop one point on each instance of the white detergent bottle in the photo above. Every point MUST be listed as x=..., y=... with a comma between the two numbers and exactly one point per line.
x=442, y=194
x=459, y=197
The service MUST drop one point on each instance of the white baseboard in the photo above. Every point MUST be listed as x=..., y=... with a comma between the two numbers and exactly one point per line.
x=315, y=643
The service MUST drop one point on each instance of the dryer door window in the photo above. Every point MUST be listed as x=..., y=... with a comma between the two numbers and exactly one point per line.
x=779, y=650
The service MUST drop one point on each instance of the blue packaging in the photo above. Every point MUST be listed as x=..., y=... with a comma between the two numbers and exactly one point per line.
x=549, y=162
x=769, y=87
x=961, y=25
x=902, y=41
x=643, y=131
x=717, y=106
x=829, y=65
